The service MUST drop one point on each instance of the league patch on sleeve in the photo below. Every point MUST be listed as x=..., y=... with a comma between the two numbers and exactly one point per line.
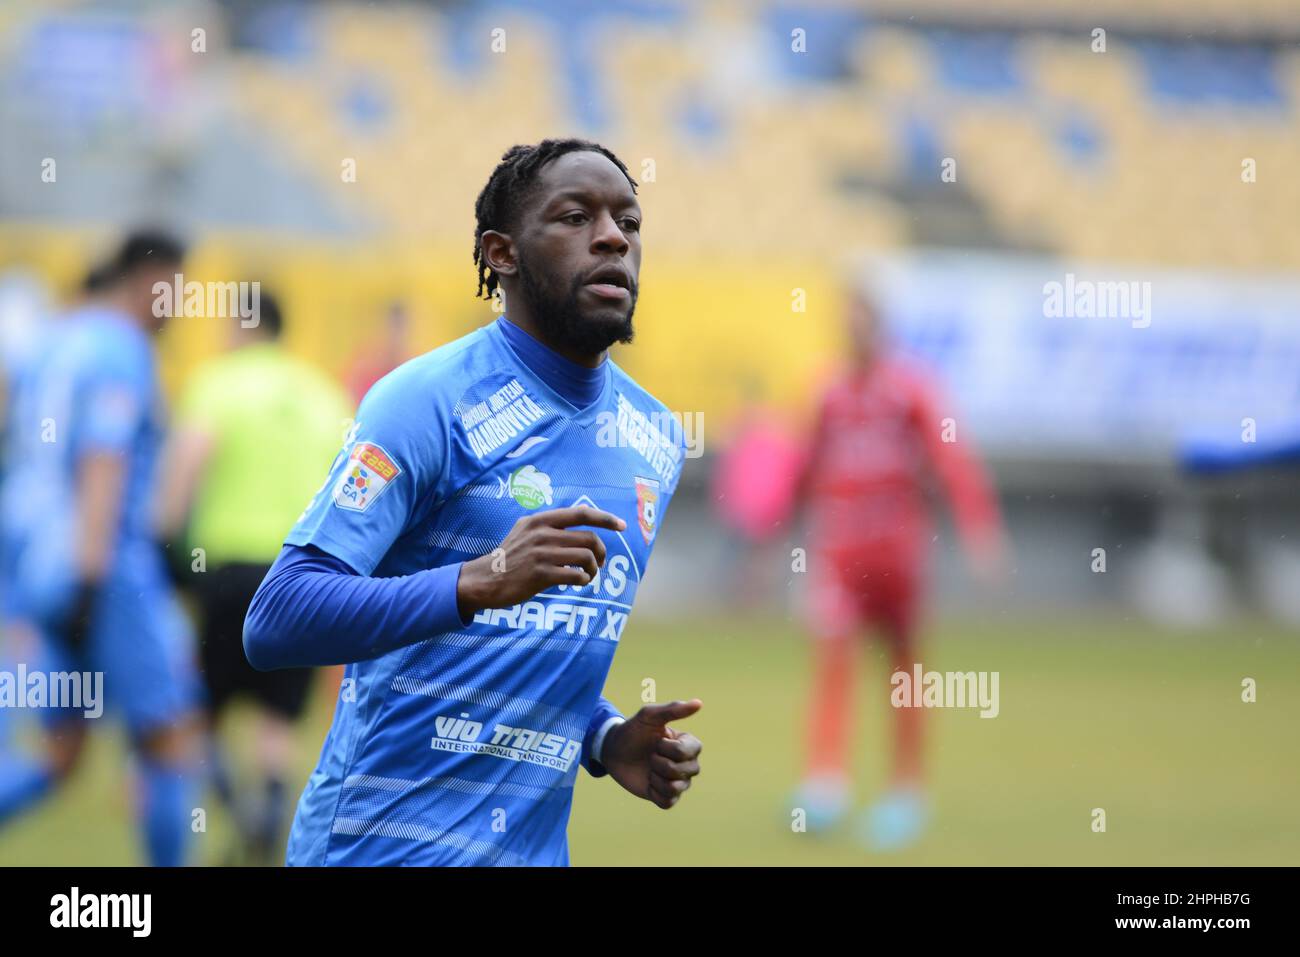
x=368, y=471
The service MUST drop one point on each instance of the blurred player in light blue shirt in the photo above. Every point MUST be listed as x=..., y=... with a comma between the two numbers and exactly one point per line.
x=85, y=426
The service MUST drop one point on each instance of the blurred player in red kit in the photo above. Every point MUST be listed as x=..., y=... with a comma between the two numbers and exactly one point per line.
x=389, y=353
x=883, y=440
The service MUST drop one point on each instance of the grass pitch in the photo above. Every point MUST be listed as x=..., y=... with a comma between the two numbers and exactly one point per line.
x=1147, y=724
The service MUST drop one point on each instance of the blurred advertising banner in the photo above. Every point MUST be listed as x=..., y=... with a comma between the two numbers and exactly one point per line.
x=1088, y=361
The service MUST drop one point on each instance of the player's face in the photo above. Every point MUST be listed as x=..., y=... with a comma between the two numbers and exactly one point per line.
x=579, y=253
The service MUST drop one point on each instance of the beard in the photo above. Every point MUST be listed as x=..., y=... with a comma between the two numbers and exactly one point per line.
x=559, y=317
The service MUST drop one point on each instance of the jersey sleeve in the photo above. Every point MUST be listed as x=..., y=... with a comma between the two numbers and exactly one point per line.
x=604, y=717
x=677, y=435
x=959, y=471
x=115, y=392
x=393, y=463
x=313, y=609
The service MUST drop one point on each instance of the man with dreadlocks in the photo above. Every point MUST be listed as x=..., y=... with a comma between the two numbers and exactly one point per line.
x=475, y=551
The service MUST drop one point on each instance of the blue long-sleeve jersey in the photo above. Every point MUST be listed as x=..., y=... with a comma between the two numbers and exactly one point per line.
x=458, y=742
x=314, y=609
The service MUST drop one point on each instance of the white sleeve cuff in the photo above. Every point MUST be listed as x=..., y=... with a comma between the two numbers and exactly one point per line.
x=599, y=740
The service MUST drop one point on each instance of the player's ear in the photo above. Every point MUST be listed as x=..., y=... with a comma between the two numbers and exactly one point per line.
x=499, y=252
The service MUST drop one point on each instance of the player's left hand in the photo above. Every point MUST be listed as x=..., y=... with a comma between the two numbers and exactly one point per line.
x=650, y=759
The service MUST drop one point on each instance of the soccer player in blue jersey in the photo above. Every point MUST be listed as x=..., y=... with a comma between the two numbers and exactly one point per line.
x=476, y=548
x=78, y=552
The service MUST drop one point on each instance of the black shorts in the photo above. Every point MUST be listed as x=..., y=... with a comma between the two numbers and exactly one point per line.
x=224, y=594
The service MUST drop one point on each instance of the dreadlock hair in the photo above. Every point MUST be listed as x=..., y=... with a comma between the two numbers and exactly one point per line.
x=511, y=183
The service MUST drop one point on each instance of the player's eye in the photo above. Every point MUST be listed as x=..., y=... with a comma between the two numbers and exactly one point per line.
x=576, y=218
x=631, y=225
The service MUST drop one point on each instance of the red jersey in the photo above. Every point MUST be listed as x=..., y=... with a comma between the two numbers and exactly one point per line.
x=877, y=450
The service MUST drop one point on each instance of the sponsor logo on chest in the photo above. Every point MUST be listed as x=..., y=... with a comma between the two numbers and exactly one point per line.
x=530, y=487
x=598, y=609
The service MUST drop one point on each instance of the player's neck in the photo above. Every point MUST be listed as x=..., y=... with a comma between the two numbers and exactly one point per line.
x=522, y=320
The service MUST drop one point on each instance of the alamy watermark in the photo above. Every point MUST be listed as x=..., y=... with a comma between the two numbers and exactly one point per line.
x=657, y=434
x=1088, y=299
x=213, y=300
x=82, y=690
x=946, y=689
x=133, y=912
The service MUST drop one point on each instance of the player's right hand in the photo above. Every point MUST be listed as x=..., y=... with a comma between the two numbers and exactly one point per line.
x=543, y=549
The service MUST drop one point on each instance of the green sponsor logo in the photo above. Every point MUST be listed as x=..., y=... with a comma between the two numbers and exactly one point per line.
x=529, y=487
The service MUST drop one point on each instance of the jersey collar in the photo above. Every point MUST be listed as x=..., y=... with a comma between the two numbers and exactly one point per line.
x=564, y=380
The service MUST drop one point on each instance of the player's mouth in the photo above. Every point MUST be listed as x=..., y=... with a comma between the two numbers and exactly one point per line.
x=609, y=282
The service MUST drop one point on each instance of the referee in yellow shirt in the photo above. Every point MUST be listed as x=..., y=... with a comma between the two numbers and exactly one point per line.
x=255, y=430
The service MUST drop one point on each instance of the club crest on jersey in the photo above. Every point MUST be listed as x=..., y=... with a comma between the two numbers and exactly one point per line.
x=647, y=507
x=368, y=471
x=529, y=486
